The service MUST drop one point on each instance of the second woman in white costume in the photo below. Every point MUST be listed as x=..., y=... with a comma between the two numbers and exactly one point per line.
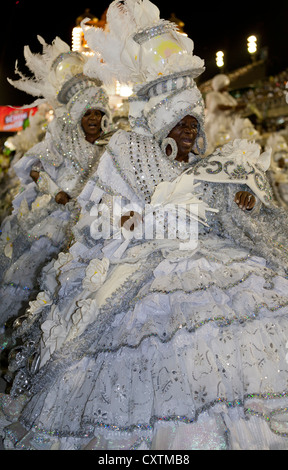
x=52, y=173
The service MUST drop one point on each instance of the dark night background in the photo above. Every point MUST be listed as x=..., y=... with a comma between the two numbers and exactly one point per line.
x=212, y=26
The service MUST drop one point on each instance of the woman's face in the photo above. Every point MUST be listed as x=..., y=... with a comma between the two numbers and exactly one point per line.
x=184, y=133
x=91, y=124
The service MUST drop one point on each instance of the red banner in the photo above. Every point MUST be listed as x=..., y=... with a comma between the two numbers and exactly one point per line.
x=15, y=119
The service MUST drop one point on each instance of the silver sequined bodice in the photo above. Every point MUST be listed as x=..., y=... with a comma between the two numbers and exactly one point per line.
x=143, y=165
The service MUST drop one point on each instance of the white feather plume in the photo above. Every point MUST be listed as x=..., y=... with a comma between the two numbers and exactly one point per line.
x=119, y=57
x=105, y=63
x=130, y=16
x=111, y=61
x=39, y=65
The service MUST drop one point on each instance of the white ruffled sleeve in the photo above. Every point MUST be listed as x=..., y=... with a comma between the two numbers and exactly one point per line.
x=24, y=166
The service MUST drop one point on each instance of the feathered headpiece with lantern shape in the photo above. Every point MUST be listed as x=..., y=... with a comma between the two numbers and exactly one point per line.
x=58, y=79
x=139, y=47
x=148, y=52
x=50, y=70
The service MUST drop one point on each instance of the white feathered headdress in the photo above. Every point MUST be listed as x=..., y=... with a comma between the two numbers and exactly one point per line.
x=141, y=49
x=50, y=70
x=138, y=47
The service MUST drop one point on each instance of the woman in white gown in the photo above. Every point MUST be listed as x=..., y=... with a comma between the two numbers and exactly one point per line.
x=171, y=342
x=52, y=173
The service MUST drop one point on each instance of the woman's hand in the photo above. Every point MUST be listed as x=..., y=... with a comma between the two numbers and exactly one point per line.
x=245, y=200
x=130, y=220
x=62, y=198
x=34, y=175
